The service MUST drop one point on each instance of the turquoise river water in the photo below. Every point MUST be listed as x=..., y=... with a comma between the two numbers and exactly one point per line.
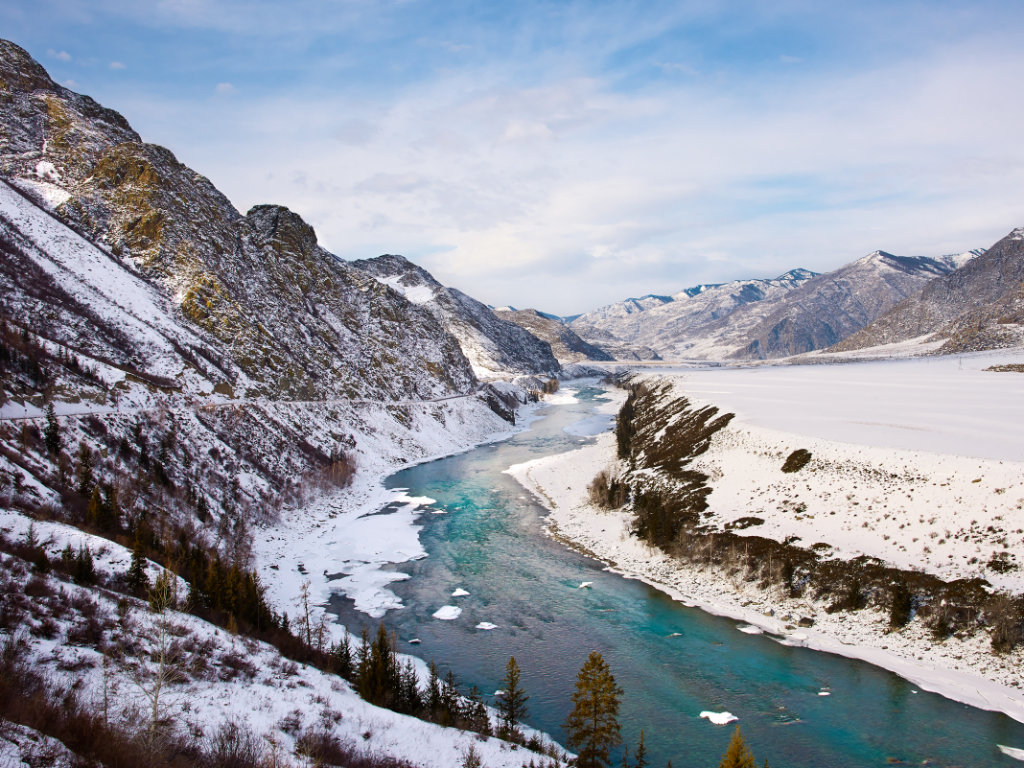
x=671, y=661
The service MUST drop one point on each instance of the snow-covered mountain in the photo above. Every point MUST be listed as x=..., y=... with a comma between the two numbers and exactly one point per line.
x=494, y=346
x=672, y=325
x=978, y=306
x=830, y=307
x=797, y=312
x=566, y=345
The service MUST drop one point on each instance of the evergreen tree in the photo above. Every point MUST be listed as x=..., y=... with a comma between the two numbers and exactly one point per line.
x=137, y=579
x=640, y=761
x=593, y=724
x=512, y=704
x=738, y=755
x=343, y=657
x=51, y=434
x=84, y=472
x=476, y=713
x=85, y=572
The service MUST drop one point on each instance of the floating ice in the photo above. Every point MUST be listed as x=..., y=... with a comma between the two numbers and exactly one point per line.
x=676, y=634
x=585, y=585
x=1016, y=754
x=448, y=612
x=486, y=625
x=460, y=592
x=719, y=718
x=750, y=629
x=824, y=693
x=415, y=641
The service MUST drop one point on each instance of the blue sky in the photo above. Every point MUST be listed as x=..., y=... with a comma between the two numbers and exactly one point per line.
x=565, y=155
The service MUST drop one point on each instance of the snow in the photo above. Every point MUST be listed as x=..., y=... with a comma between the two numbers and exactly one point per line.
x=749, y=629
x=486, y=625
x=460, y=592
x=719, y=718
x=1017, y=754
x=95, y=279
x=916, y=404
x=273, y=689
x=941, y=486
x=417, y=294
x=447, y=613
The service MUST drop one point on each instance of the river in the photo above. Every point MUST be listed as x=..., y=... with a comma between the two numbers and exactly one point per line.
x=798, y=708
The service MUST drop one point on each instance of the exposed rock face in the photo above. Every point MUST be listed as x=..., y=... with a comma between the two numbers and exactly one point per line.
x=494, y=346
x=979, y=306
x=257, y=303
x=566, y=345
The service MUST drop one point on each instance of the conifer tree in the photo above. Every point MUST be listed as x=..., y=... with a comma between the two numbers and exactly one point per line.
x=512, y=705
x=593, y=724
x=640, y=761
x=137, y=579
x=738, y=755
x=51, y=434
x=85, y=572
x=84, y=471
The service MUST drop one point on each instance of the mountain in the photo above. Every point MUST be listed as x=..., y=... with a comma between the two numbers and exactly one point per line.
x=249, y=302
x=978, y=306
x=832, y=306
x=494, y=346
x=566, y=345
x=672, y=325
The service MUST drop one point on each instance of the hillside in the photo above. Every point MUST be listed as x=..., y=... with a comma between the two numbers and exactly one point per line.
x=979, y=306
x=494, y=346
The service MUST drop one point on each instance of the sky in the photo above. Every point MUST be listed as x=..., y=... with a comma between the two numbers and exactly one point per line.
x=565, y=155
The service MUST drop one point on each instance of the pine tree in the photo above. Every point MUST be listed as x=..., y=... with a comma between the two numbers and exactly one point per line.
x=640, y=761
x=51, y=434
x=593, y=724
x=85, y=572
x=84, y=471
x=512, y=705
x=738, y=755
x=137, y=579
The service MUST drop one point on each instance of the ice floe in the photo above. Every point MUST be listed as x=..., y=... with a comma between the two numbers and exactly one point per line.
x=486, y=625
x=719, y=718
x=448, y=612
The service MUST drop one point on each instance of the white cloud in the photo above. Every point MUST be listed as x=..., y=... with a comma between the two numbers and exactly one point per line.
x=571, y=192
x=117, y=65
x=224, y=89
x=61, y=55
